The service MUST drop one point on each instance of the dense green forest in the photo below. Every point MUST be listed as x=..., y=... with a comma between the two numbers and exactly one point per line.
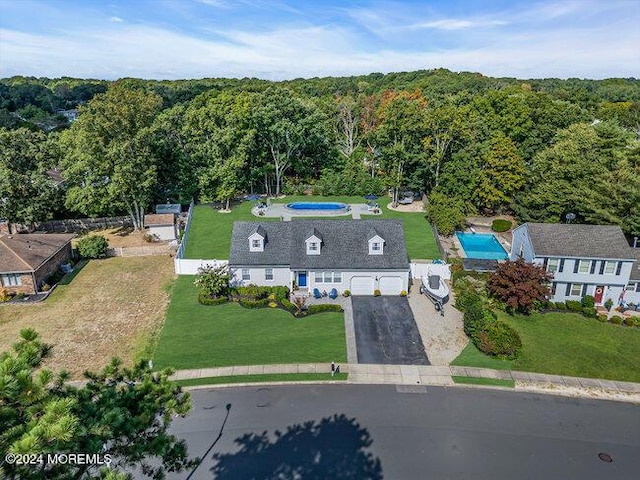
x=473, y=144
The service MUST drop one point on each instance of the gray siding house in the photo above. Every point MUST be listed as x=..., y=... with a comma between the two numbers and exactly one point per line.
x=359, y=256
x=584, y=259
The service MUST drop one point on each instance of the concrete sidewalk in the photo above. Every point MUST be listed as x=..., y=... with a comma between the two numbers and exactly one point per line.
x=428, y=375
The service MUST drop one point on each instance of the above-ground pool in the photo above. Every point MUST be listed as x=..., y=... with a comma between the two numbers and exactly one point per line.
x=482, y=245
x=334, y=206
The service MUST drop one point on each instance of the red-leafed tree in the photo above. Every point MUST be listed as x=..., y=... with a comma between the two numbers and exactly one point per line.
x=520, y=285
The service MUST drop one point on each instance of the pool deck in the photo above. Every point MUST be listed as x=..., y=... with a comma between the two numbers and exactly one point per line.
x=280, y=210
x=459, y=251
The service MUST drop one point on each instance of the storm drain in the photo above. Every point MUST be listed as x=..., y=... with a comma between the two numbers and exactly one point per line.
x=605, y=457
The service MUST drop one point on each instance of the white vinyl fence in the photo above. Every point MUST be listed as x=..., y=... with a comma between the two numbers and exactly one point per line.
x=188, y=266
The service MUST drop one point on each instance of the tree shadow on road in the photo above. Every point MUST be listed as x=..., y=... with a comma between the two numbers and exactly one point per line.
x=332, y=448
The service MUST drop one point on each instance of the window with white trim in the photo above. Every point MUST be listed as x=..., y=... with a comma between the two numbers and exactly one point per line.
x=319, y=277
x=576, y=290
x=552, y=265
x=610, y=268
x=584, y=266
x=337, y=277
x=375, y=246
x=246, y=274
x=268, y=274
x=313, y=246
x=631, y=287
x=11, y=280
x=255, y=243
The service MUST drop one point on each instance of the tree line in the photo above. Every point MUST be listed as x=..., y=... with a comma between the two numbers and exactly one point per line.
x=473, y=144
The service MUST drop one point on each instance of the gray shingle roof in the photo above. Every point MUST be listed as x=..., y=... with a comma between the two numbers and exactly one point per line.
x=259, y=230
x=344, y=245
x=27, y=252
x=635, y=270
x=580, y=241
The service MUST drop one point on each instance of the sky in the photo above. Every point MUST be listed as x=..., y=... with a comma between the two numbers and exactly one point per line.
x=285, y=39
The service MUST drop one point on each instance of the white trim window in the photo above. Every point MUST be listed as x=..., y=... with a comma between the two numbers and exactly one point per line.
x=319, y=277
x=268, y=274
x=246, y=274
x=313, y=247
x=584, y=266
x=610, y=268
x=337, y=277
x=255, y=243
x=630, y=287
x=552, y=265
x=576, y=290
x=10, y=280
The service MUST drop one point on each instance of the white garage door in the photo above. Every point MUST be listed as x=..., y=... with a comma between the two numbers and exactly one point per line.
x=390, y=285
x=362, y=286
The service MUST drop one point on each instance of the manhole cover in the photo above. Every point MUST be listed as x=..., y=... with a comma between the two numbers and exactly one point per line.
x=605, y=457
x=263, y=400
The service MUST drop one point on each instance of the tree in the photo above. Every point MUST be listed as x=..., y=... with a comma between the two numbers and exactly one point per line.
x=520, y=285
x=213, y=281
x=108, y=163
x=346, y=126
x=289, y=129
x=93, y=246
x=501, y=175
x=446, y=213
x=121, y=412
x=27, y=193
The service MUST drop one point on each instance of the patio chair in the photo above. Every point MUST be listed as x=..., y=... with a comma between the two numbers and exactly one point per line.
x=316, y=293
x=333, y=294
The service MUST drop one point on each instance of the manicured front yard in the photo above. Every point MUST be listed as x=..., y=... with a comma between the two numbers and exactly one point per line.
x=210, y=231
x=568, y=344
x=270, y=377
x=196, y=336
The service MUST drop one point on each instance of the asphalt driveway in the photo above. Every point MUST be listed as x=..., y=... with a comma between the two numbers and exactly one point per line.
x=386, y=332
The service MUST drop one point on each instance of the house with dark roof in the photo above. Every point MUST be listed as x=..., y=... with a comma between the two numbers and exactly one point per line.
x=28, y=260
x=361, y=256
x=584, y=259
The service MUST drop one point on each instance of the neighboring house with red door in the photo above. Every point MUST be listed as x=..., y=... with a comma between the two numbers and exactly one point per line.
x=28, y=260
x=584, y=259
x=360, y=256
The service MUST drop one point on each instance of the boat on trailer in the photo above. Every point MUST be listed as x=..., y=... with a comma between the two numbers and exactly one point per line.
x=436, y=289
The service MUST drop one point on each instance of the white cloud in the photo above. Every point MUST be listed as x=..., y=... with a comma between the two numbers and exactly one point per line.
x=456, y=24
x=116, y=20
x=213, y=3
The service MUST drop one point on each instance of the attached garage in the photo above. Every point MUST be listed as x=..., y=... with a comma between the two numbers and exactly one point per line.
x=391, y=285
x=362, y=286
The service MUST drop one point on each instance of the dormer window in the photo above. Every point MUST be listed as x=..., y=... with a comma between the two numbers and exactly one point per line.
x=314, y=242
x=257, y=239
x=376, y=243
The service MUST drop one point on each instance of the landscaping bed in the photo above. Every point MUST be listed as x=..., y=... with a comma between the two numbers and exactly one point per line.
x=196, y=335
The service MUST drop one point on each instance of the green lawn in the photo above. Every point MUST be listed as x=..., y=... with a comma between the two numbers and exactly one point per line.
x=496, y=382
x=568, y=344
x=210, y=231
x=196, y=336
x=275, y=377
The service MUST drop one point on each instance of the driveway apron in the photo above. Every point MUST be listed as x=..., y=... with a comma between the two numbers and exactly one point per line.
x=386, y=332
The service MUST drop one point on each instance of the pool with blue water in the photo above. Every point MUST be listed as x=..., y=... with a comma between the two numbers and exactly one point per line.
x=484, y=246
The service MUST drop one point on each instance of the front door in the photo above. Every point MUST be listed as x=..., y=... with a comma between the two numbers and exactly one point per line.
x=598, y=294
x=302, y=279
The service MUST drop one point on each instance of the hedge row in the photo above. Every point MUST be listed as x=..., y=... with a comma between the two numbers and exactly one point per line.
x=324, y=307
x=206, y=300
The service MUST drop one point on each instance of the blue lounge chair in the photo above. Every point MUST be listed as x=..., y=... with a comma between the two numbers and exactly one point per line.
x=333, y=294
x=316, y=293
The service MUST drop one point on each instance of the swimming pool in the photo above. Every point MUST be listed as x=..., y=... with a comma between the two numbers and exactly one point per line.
x=482, y=245
x=317, y=206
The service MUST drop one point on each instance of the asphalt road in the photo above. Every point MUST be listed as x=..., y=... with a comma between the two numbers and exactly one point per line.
x=386, y=332
x=376, y=432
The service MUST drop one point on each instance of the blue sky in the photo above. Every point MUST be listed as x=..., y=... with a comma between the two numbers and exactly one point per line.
x=281, y=39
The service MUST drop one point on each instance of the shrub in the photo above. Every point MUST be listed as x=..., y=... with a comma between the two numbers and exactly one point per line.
x=403, y=293
x=213, y=281
x=588, y=301
x=280, y=292
x=299, y=304
x=560, y=305
x=4, y=295
x=376, y=293
x=616, y=320
x=254, y=303
x=324, y=307
x=474, y=319
x=273, y=304
x=589, y=312
x=500, y=225
x=574, y=305
x=287, y=305
x=346, y=293
x=602, y=318
x=499, y=339
x=608, y=304
x=45, y=287
x=204, y=299
x=466, y=298
x=629, y=322
x=93, y=246
x=519, y=285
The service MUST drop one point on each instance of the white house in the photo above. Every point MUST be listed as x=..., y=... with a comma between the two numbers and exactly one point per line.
x=584, y=259
x=161, y=225
x=360, y=256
